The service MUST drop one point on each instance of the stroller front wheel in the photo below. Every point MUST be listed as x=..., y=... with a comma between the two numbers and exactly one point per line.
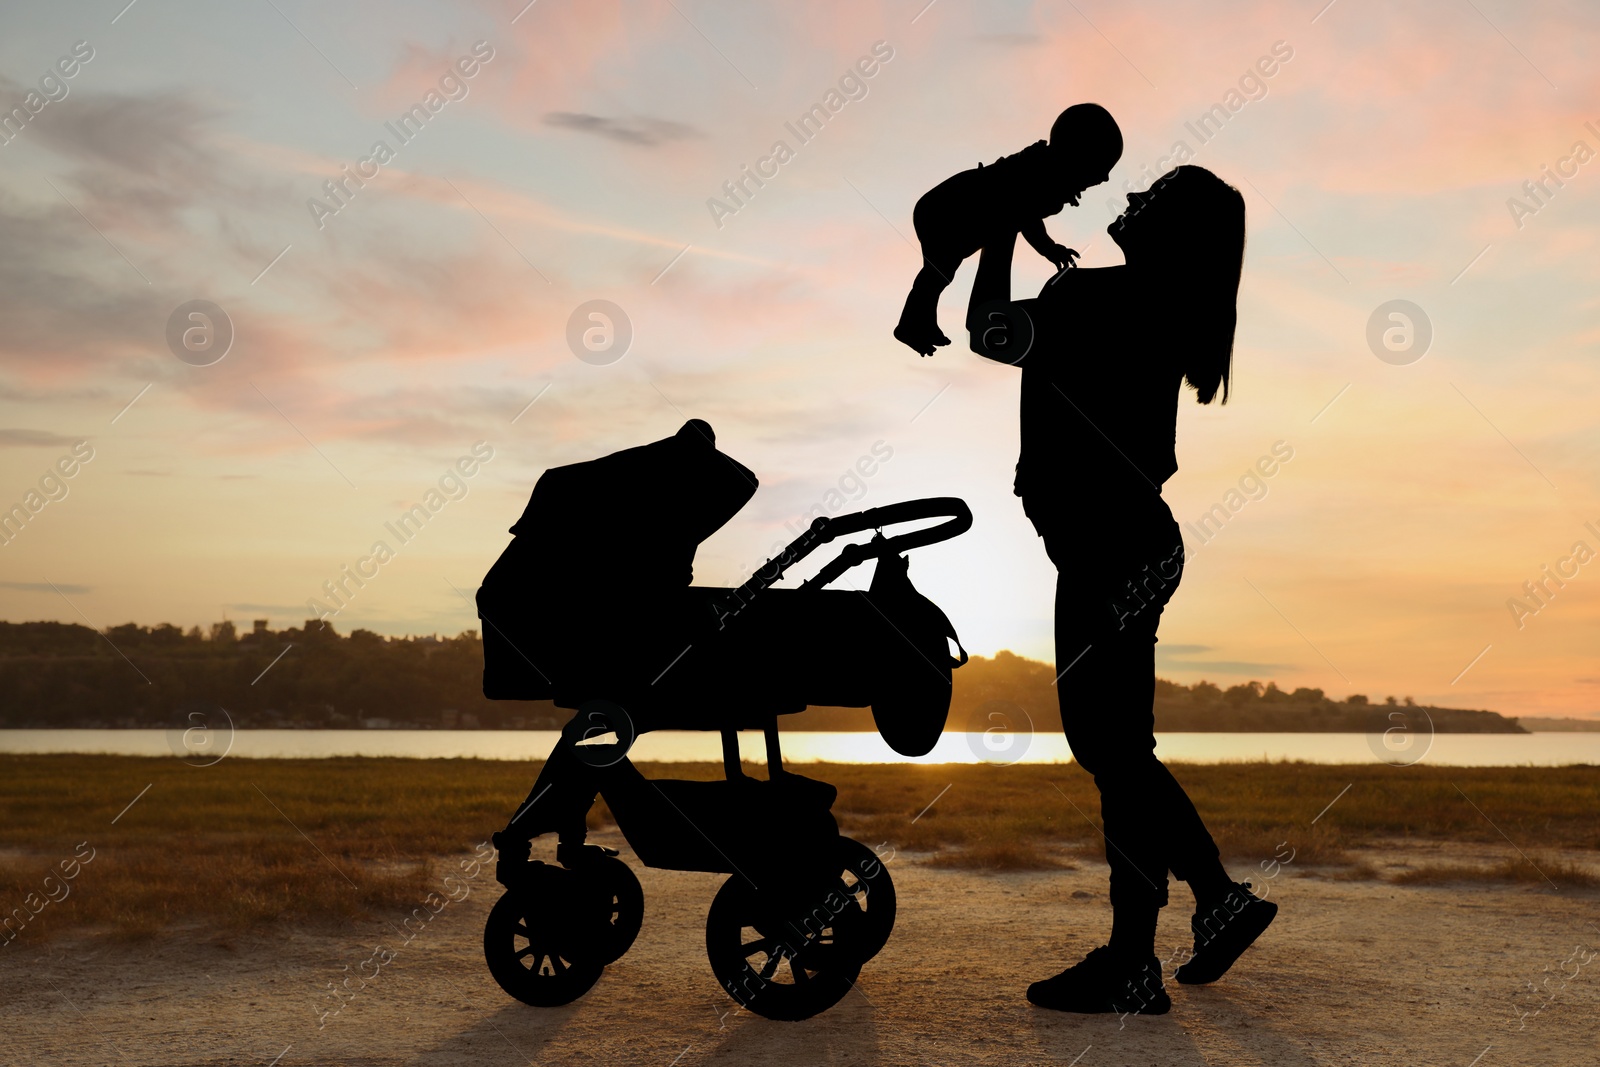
x=533, y=951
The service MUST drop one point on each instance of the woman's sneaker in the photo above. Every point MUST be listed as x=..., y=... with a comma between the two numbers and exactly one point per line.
x=1221, y=936
x=1105, y=982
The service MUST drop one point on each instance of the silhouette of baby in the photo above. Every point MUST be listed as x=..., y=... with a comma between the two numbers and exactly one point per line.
x=956, y=217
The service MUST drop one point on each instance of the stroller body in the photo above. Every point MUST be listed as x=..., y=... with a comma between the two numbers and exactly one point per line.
x=588, y=610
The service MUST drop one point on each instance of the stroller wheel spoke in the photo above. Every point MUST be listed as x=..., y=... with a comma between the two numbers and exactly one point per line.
x=801, y=977
x=760, y=944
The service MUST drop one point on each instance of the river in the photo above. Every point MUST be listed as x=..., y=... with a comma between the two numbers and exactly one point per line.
x=674, y=746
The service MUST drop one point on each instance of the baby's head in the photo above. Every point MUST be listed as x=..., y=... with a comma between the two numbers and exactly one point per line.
x=1086, y=143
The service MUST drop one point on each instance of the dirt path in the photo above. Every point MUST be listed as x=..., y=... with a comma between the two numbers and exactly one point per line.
x=1352, y=973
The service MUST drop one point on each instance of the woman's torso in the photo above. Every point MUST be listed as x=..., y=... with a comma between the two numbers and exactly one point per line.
x=1099, y=405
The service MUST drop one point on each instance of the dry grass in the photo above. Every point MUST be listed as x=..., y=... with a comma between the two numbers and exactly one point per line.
x=1258, y=812
x=1355, y=872
x=1001, y=856
x=1535, y=870
x=251, y=843
x=231, y=846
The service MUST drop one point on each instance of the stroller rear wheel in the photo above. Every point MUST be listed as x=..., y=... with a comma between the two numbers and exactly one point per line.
x=780, y=960
x=618, y=906
x=534, y=951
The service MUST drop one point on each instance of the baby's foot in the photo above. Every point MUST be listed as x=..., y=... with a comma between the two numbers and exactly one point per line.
x=923, y=344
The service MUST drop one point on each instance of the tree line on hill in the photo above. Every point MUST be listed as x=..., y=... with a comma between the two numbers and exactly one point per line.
x=989, y=685
x=67, y=675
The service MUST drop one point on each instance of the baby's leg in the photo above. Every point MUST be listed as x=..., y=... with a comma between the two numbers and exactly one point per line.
x=919, y=320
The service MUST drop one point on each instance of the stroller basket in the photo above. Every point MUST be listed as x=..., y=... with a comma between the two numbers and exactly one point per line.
x=720, y=826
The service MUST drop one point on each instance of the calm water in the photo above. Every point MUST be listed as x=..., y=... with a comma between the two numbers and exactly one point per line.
x=1460, y=750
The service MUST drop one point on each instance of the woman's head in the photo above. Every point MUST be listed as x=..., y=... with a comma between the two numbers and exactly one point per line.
x=1186, y=232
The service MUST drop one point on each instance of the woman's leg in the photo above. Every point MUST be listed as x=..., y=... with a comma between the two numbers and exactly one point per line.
x=1109, y=597
x=1105, y=629
x=1108, y=728
x=1150, y=825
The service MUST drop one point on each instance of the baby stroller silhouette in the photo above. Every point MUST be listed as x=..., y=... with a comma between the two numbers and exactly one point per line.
x=591, y=606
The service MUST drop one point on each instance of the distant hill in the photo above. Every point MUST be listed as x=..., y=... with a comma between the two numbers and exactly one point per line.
x=1007, y=683
x=1541, y=724
x=65, y=675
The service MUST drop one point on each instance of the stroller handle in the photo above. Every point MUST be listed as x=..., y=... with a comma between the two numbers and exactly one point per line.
x=959, y=521
x=825, y=529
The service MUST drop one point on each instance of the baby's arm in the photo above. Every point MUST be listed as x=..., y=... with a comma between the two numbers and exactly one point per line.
x=1033, y=232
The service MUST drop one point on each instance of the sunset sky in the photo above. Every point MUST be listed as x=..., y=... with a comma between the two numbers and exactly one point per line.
x=1383, y=160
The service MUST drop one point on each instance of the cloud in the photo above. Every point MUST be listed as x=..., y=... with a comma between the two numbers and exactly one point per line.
x=45, y=587
x=23, y=395
x=146, y=164
x=34, y=438
x=646, y=132
x=161, y=136
x=65, y=301
x=1010, y=40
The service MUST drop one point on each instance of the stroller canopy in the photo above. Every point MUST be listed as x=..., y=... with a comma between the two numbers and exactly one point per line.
x=636, y=515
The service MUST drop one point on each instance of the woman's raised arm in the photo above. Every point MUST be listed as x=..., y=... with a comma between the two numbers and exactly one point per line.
x=998, y=328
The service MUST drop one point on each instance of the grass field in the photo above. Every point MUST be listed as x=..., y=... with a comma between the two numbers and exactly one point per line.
x=248, y=843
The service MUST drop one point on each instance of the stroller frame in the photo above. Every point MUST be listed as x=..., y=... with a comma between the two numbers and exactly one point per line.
x=820, y=905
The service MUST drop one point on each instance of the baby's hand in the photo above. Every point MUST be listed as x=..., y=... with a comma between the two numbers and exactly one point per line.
x=1063, y=257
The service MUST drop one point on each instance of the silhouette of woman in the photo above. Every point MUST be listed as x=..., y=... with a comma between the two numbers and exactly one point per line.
x=1104, y=354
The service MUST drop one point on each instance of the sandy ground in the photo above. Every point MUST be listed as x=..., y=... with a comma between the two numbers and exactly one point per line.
x=1353, y=972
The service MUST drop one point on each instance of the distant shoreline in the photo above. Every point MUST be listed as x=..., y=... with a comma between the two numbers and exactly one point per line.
x=69, y=676
x=1544, y=724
